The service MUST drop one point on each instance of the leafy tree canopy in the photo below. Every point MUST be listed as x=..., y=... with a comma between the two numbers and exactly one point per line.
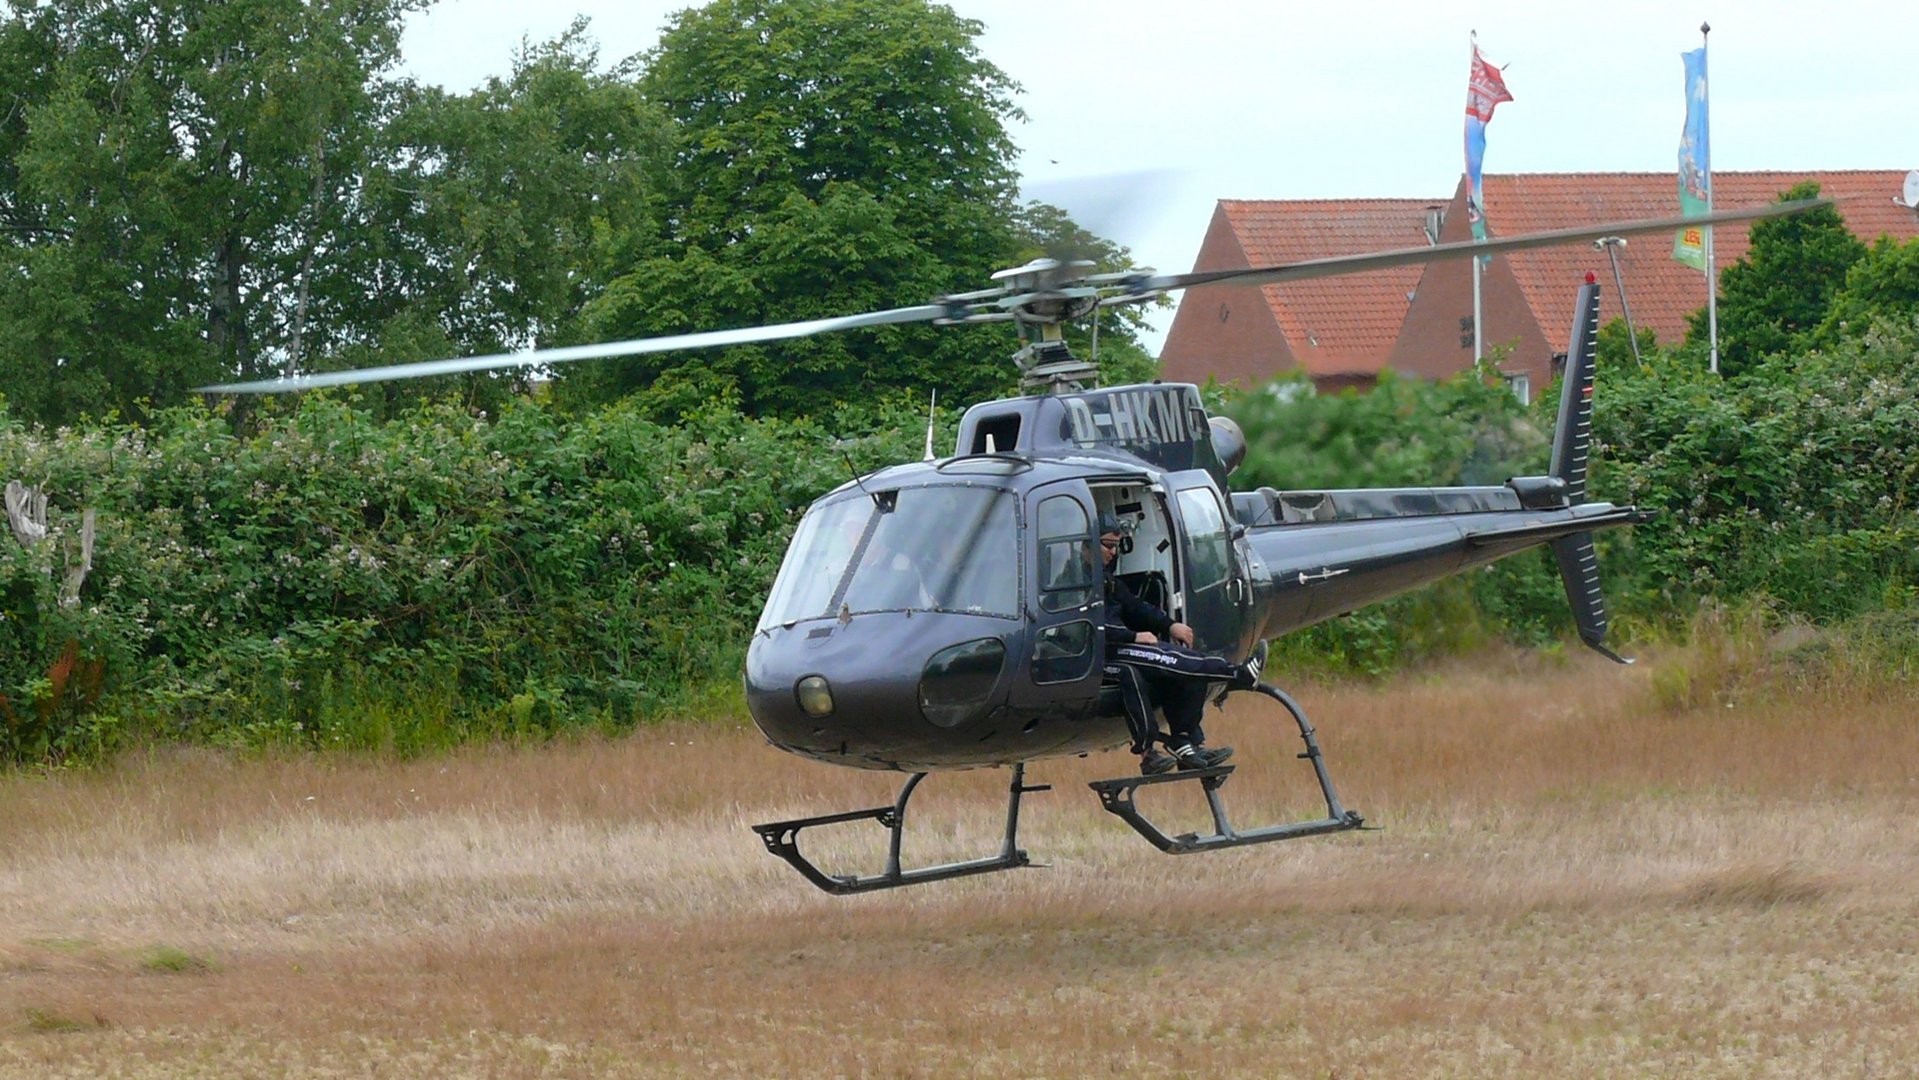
x=510, y=207
x=174, y=172
x=1779, y=291
x=199, y=190
x=1882, y=285
x=829, y=157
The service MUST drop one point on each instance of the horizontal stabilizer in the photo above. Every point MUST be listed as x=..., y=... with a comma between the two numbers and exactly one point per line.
x=1600, y=517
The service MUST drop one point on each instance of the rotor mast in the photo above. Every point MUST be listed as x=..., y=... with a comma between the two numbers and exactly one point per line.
x=1041, y=296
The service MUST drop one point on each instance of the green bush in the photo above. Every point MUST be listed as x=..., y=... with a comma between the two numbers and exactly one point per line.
x=1791, y=486
x=330, y=580
x=1794, y=481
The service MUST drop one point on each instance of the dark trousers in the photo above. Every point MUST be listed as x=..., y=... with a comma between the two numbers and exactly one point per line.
x=1172, y=677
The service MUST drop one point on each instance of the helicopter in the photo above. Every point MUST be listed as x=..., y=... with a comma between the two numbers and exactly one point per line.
x=946, y=614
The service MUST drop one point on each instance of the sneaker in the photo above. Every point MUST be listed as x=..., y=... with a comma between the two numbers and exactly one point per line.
x=1247, y=676
x=1153, y=763
x=1201, y=757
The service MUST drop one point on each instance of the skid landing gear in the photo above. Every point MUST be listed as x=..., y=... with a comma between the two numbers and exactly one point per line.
x=782, y=839
x=1117, y=797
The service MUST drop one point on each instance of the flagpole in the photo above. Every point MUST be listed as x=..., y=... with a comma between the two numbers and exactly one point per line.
x=1712, y=266
x=1479, y=349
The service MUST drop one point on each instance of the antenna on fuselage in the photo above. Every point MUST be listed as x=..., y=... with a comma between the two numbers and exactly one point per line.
x=931, y=408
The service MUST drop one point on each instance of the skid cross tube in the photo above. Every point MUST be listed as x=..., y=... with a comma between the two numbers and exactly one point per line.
x=1117, y=797
x=782, y=839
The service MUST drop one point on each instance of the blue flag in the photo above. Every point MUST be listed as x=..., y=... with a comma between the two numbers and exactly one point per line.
x=1695, y=162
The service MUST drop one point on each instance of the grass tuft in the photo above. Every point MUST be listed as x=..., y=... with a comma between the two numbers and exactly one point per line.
x=169, y=960
x=54, y=1022
x=1756, y=887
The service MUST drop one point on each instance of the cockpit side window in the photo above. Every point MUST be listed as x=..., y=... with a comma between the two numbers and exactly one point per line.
x=1206, y=535
x=1065, y=553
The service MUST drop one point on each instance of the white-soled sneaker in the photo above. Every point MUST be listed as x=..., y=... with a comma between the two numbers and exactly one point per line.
x=1247, y=676
x=1201, y=757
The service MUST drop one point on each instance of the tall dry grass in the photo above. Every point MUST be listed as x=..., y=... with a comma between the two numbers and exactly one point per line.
x=1576, y=875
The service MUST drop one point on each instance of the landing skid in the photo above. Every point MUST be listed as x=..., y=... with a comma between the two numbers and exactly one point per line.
x=782, y=839
x=1117, y=797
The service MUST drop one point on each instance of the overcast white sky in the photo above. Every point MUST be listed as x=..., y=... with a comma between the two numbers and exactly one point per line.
x=1211, y=99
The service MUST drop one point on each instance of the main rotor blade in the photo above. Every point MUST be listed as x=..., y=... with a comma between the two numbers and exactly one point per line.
x=704, y=340
x=1352, y=264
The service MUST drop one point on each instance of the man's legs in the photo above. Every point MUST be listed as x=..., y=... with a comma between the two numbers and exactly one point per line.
x=1138, y=703
x=1138, y=706
x=1185, y=703
x=1179, y=679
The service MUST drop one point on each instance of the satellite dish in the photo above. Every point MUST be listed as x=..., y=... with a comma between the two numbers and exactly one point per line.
x=1912, y=190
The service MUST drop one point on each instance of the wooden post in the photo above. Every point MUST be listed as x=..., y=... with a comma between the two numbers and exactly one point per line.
x=77, y=572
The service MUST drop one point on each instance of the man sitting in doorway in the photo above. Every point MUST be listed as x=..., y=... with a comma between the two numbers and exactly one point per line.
x=1153, y=659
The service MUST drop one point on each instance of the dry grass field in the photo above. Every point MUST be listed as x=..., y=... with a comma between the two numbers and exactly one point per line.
x=1570, y=880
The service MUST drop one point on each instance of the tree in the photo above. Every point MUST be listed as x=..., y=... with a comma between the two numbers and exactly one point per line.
x=198, y=190
x=181, y=190
x=1616, y=345
x=1780, y=289
x=1883, y=284
x=513, y=204
x=829, y=157
x=773, y=97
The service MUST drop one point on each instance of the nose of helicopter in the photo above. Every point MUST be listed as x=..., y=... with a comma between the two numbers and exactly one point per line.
x=878, y=689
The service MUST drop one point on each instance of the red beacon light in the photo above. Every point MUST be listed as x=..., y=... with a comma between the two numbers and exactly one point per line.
x=1591, y=278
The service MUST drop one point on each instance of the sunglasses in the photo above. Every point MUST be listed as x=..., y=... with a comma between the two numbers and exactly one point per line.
x=1110, y=545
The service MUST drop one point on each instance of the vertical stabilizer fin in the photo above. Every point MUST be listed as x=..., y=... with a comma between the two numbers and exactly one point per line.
x=1579, y=572
x=1572, y=445
x=1573, y=438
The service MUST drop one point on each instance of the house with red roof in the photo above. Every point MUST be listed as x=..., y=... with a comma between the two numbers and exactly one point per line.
x=1342, y=331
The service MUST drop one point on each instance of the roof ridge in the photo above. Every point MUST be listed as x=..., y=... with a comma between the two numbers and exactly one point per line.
x=1784, y=170
x=1371, y=199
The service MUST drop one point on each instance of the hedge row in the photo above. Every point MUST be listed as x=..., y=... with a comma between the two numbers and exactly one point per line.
x=333, y=580
x=1792, y=486
x=322, y=578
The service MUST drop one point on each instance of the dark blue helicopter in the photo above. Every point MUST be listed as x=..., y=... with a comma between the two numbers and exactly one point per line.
x=946, y=614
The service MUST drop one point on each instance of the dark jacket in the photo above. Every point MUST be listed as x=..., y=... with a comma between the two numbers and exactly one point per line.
x=1127, y=614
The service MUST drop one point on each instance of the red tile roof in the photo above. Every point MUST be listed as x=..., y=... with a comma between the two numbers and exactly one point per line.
x=1334, y=325
x=1349, y=325
x=1660, y=290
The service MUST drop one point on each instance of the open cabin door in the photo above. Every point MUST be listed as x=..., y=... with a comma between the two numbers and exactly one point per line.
x=1065, y=605
x=1212, y=580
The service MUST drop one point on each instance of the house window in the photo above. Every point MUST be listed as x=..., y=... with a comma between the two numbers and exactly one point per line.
x=1522, y=388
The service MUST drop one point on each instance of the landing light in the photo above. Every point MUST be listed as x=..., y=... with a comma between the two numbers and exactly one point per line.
x=814, y=696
